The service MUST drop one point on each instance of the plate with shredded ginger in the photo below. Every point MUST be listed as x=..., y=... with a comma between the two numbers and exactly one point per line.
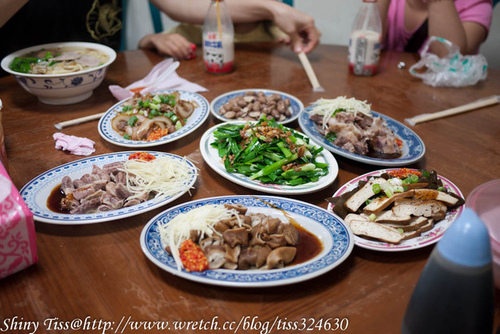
x=426, y=238
x=38, y=192
x=336, y=242
x=412, y=146
x=195, y=120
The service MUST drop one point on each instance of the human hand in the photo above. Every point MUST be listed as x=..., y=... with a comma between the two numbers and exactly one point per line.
x=174, y=45
x=300, y=27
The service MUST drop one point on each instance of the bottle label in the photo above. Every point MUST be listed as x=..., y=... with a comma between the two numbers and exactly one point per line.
x=218, y=54
x=364, y=52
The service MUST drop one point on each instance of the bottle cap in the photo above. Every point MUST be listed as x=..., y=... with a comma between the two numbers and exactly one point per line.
x=466, y=242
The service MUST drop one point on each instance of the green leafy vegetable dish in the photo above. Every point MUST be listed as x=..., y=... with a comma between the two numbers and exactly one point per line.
x=269, y=152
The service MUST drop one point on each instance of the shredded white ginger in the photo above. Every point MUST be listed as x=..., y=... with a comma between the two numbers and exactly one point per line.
x=201, y=219
x=327, y=107
x=165, y=176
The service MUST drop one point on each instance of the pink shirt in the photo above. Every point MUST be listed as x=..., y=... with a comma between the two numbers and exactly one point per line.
x=479, y=11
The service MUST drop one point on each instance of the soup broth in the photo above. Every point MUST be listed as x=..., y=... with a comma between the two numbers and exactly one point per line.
x=59, y=60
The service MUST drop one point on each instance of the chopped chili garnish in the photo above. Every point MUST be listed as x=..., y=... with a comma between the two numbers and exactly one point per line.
x=399, y=142
x=403, y=173
x=137, y=90
x=192, y=257
x=157, y=134
x=141, y=156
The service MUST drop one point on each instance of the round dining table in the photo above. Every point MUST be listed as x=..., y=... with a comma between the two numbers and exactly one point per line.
x=97, y=275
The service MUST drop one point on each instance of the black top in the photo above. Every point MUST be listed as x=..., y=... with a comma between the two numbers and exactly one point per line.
x=418, y=38
x=52, y=21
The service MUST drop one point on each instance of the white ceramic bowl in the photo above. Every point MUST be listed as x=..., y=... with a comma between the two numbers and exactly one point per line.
x=61, y=88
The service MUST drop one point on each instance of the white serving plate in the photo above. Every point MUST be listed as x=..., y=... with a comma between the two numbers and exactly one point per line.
x=426, y=239
x=295, y=104
x=413, y=146
x=199, y=116
x=36, y=192
x=211, y=156
x=331, y=231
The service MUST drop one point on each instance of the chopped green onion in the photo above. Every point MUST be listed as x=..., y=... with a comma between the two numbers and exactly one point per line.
x=132, y=120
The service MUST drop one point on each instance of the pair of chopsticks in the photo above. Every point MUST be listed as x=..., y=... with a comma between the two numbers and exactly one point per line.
x=310, y=72
x=481, y=103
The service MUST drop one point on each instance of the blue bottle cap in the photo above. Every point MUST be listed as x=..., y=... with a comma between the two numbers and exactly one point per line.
x=466, y=242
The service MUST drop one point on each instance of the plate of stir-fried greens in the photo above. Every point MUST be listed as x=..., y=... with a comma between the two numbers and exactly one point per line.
x=268, y=157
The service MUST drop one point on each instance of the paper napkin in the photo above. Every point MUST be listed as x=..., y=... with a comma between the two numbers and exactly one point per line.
x=173, y=81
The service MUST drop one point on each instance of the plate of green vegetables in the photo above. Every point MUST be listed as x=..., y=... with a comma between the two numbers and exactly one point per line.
x=268, y=157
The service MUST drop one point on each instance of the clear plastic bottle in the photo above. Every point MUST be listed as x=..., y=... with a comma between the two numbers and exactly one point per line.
x=366, y=40
x=218, y=39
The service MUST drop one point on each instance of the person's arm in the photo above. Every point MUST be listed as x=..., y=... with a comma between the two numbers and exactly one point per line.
x=383, y=7
x=445, y=22
x=8, y=8
x=299, y=26
x=174, y=45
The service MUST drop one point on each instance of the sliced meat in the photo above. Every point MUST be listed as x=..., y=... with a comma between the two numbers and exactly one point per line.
x=236, y=236
x=280, y=257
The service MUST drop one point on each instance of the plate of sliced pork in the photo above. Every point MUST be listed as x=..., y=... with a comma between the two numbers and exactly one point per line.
x=108, y=187
x=246, y=241
x=397, y=209
x=349, y=128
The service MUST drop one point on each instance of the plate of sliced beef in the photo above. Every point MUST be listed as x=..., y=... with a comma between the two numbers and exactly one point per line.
x=374, y=139
x=106, y=187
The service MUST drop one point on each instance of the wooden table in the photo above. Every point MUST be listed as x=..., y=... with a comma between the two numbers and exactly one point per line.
x=99, y=271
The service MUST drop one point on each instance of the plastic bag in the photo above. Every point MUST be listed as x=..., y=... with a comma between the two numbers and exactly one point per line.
x=17, y=228
x=454, y=70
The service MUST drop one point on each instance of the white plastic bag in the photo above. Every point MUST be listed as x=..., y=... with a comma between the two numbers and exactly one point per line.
x=454, y=70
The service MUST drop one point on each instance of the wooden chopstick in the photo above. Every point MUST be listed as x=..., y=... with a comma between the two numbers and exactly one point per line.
x=65, y=124
x=310, y=72
x=481, y=103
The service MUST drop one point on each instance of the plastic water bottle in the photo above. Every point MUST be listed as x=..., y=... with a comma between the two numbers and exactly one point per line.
x=366, y=40
x=218, y=39
x=455, y=292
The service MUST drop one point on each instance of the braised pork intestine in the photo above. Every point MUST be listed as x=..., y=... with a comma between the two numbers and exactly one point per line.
x=232, y=238
x=144, y=115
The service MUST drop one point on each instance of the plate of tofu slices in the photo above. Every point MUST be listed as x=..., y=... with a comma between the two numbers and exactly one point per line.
x=397, y=209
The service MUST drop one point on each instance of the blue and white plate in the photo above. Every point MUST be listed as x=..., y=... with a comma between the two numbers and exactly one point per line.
x=413, y=146
x=36, y=192
x=199, y=116
x=211, y=156
x=296, y=105
x=336, y=238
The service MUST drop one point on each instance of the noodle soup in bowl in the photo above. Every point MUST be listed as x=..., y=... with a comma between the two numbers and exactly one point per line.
x=60, y=73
